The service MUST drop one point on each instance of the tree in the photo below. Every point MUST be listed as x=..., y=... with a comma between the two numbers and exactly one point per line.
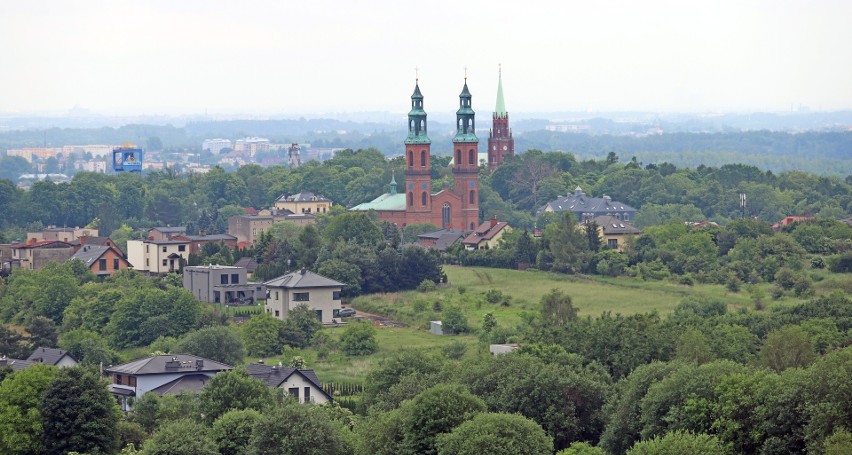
x=693, y=347
x=231, y=390
x=182, y=437
x=680, y=442
x=400, y=377
x=88, y=347
x=261, y=335
x=557, y=308
x=454, y=320
x=787, y=347
x=42, y=332
x=497, y=434
x=359, y=339
x=293, y=429
x=221, y=344
x=21, y=425
x=435, y=411
x=79, y=414
x=12, y=344
x=232, y=431
x=303, y=318
x=355, y=228
x=581, y=448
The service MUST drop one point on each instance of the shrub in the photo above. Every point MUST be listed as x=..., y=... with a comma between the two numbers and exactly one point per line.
x=454, y=320
x=426, y=286
x=359, y=338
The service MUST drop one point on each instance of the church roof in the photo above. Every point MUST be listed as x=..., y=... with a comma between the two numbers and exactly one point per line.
x=500, y=109
x=386, y=201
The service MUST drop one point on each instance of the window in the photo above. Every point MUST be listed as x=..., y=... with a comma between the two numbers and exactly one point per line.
x=458, y=157
x=181, y=247
x=223, y=278
x=472, y=227
x=445, y=216
x=423, y=199
x=253, y=231
x=335, y=295
x=319, y=315
x=115, y=264
x=410, y=159
x=612, y=243
x=165, y=262
x=164, y=248
x=217, y=297
x=235, y=278
x=422, y=158
x=472, y=196
x=118, y=379
x=277, y=313
x=131, y=381
x=471, y=157
x=102, y=264
x=301, y=296
x=410, y=199
x=276, y=295
x=335, y=313
x=146, y=248
x=147, y=262
x=307, y=394
x=293, y=392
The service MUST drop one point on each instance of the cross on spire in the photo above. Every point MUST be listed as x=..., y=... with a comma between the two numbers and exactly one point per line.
x=465, y=73
x=416, y=74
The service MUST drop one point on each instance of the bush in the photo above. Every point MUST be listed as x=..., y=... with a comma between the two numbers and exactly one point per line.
x=455, y=350
x=840, y=263
x=679, y=442
x=454, y=320
x=426, y=286
x=359, y=338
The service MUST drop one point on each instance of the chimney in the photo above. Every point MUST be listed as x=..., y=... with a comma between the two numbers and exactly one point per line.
x=493, y=221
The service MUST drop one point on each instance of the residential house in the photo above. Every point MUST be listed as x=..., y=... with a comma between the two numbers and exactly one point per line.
x=15, y=364
x=35, y=254
x=249, y=263
x=440, y=240
x=585, y=207
x=63, y=234
x=168, y=374
x=303, y=385
x=787, y=220
x=102, y=260
x=196, y=242
x=165, y=232
x=290, y=217
x=247, y=229
x=615, y=232
x=7, y=260
x=52, y=357
x=222, y=284
x=487, y=235
x=156, y=257
x=304, y=202
x=304, y=287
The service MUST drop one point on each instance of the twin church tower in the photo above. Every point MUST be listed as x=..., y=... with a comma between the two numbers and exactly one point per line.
x=448, y=208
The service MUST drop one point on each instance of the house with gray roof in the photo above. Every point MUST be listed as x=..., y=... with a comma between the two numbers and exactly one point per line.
x=585, y=207
x=304, y=287
x=15, y=364
x=102, y=260
x=615, y=232
x=53, y=357
x=167, y=374
x=303, y=385
x=440, y=240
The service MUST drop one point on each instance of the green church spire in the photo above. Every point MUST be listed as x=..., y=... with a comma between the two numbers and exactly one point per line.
x=417, y=119
x=393, y=183
x=500, y=110
x=465, y=126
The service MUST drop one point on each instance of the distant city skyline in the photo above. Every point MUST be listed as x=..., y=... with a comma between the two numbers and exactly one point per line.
x=290, y=58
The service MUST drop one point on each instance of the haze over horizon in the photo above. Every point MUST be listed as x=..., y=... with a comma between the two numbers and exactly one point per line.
x=289, y=58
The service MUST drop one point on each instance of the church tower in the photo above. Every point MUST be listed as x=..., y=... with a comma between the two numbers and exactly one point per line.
x=500, y=140
x=418, y=180
x=466, y=162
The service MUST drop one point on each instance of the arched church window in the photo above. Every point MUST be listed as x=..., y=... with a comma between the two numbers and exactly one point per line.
x=472, y=196
x=472, y=226
x=445, y=216
x=471, y=157
x=423, y=199
x=410, y=159
x=410, y=199
x=458, y=158
x=423, y=158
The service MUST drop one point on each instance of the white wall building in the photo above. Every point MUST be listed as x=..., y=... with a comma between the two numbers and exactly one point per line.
x=157, y=257
x=215, y=146
x=304, y=287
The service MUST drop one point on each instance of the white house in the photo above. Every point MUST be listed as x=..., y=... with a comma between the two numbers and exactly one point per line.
x=167, y=374
x=157, y=257
x=52, y=357
x=303, y=385
x=304, y=287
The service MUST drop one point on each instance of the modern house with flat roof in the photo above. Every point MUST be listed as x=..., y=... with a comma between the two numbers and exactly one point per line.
x=157, y=257
x=222, y=284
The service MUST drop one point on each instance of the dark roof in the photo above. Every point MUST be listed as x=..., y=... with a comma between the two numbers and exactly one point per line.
x=93, y=240
x=167, y=242
x=304, y=196
x=210, y=237
x=303, y=279
x=187, y=383
x=614, y=226
x=44, y=244
x=249, y=263
x=48, y=356
x=580, y=202
x=273, y=376
x=485, y=231
x=90, y=253
x=15, y=364
x=443, y=238
x=168, y=363
x=58, y=229
x=169, y=229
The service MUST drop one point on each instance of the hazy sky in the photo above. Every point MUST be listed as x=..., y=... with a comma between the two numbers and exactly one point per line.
x=313, y=56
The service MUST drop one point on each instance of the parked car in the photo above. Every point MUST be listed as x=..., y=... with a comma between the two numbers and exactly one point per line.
x=345, y=312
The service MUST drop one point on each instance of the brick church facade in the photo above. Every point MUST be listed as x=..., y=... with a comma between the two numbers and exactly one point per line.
x=500, y=141
x=448, y=208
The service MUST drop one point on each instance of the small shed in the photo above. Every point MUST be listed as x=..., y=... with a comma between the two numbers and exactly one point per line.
x=436, y=328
